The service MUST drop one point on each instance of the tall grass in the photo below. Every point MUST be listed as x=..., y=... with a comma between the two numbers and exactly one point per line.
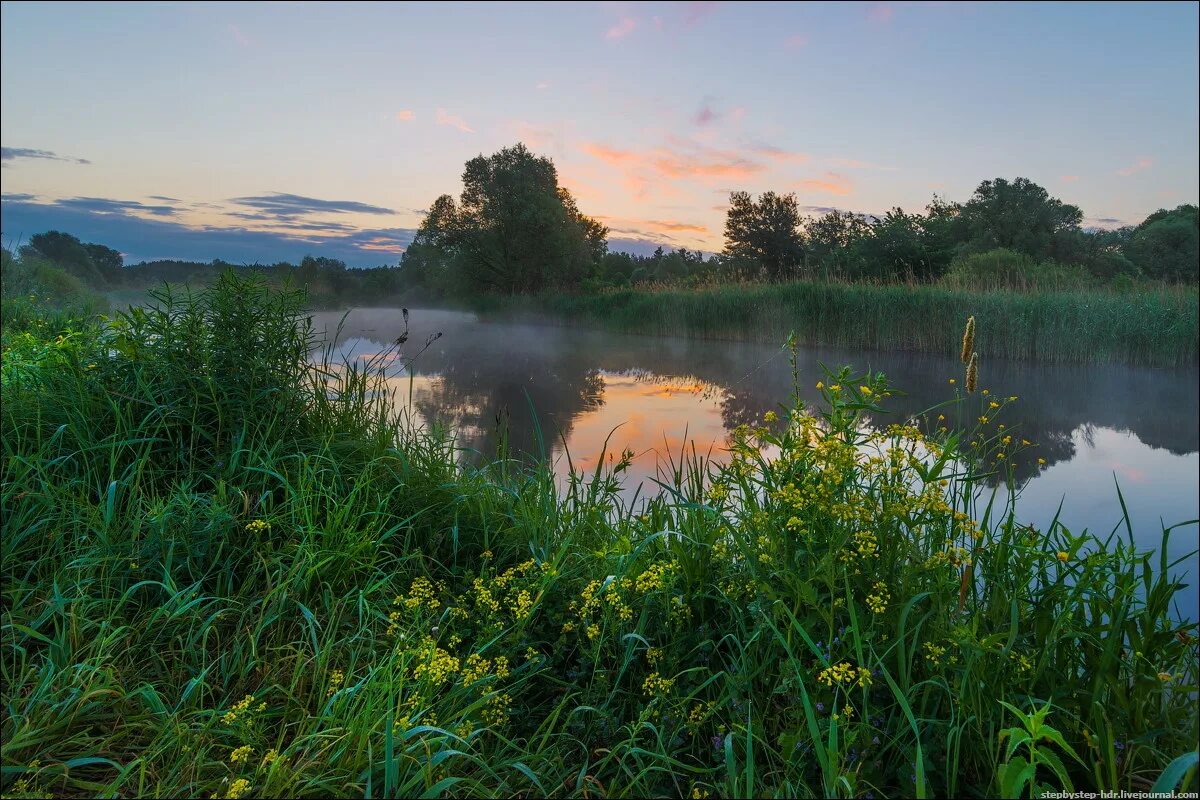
x=1153, y=327
x=230, y=572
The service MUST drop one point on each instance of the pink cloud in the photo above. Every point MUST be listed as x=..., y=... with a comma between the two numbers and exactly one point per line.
x=453, y=120
x=779, y=154
x=655, y=225
x=880, y=12
x=609, y=154
x=796, y=41
x=405, y=115
x=1137, y=166
x=1068, y=178
x=622, y=29
x=678, y=159
x=542, y=85
x=829, y=183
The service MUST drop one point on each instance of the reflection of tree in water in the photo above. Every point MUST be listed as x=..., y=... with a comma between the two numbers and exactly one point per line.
x=484, y=399
x=486, y=367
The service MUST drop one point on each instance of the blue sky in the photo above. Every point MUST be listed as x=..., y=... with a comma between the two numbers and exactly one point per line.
x=254, y=133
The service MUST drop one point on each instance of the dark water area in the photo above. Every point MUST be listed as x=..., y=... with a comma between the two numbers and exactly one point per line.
x=1095, y=426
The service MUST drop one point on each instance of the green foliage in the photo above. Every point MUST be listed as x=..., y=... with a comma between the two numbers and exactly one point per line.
x=1019, y=215
x=228, y=570
x=67, y=253
x=1002, y=269
x=1039, y=740
x=31, y=287
x=765, y=232
x=512, y=230
x=1167, y=244
x=901, y=246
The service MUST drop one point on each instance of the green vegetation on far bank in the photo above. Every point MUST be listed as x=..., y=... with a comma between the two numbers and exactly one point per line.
x=1156, y=327
x=228, y=572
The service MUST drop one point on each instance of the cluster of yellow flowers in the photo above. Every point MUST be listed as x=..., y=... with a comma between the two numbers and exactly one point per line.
x=522, y=604
x=655, y=684
x=718, y=492
x=654, y=577
x=697, y=714
x=477, y=668
x=934, y=653
x=258, y=526
x=269, y=758
x=844, y=672
x=238, y=789
x=863, y=544
x=1022, y=661
x=335, y=682
x=241, y=710
x=496, y=712
x=240, y=754
x=421, y=593
x=436, y=665
x=878, y=600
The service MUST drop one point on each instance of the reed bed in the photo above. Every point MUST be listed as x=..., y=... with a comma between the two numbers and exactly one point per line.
x=1150, y=327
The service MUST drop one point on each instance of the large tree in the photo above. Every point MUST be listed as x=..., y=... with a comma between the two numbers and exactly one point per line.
x=512, y=230
x=65, y=251
x=1022, y=216
x=765, y=232
x=1167, y=244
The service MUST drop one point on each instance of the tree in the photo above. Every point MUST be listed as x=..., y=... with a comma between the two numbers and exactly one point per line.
x=512, y=230
x=65, y=251
x=1020, y=216
x=766, y=232
x=896, y=248
x=1167, y=244
x=831, y=240
x=107, y=260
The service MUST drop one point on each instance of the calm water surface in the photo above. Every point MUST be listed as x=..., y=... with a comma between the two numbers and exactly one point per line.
x=1095, y=426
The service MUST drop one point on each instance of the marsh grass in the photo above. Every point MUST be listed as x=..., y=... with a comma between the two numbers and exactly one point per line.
x=1152, y=327
x=228, y=571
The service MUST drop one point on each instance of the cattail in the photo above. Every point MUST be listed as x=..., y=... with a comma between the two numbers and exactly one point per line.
x=973, y=373
x=968, y=343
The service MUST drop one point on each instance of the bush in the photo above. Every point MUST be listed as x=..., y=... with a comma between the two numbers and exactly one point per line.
x=1008, y=269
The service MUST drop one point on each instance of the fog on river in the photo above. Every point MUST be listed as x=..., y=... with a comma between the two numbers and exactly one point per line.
x=1095, y=425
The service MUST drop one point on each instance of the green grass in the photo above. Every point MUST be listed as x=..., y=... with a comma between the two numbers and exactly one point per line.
x=1153, y=327
x=227, y=571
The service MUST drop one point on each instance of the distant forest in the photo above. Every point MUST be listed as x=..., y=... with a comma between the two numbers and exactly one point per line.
x=515, y=230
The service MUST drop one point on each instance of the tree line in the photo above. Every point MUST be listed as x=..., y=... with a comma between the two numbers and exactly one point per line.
x=102, y=268
x=514, y=230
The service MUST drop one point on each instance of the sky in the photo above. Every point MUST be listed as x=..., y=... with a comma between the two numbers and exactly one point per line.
x=257, y=133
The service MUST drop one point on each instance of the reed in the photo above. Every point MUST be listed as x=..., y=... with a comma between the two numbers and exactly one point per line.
x=1152, y=327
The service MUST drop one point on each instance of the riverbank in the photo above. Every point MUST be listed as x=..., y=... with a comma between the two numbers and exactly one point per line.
x=270, y=586
x=1146, y=327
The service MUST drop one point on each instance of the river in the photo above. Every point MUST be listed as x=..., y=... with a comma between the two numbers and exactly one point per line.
x=1095, y=426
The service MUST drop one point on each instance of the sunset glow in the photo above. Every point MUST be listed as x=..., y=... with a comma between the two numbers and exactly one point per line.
x=652, y=112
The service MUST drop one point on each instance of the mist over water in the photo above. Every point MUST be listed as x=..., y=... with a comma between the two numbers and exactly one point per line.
x=584, y=395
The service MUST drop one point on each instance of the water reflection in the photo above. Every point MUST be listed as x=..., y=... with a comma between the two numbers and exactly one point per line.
x=565, y=392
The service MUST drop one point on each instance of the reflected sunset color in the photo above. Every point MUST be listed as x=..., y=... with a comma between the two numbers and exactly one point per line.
x=596, y=394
